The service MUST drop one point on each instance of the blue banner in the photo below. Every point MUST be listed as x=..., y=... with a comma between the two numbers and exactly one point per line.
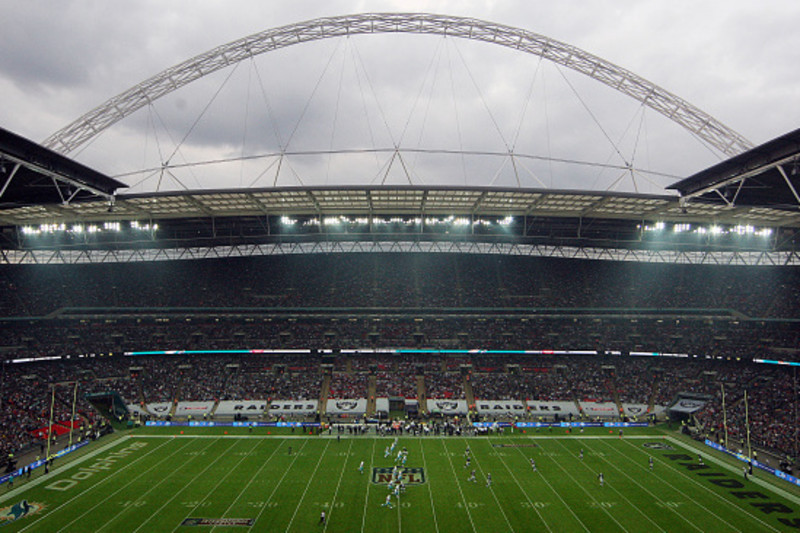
x=568, y=424
x=777, y=473
x=208, y=423
x=36, y=464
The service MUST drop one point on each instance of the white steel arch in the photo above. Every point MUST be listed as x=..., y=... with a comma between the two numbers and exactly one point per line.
x=696, y=121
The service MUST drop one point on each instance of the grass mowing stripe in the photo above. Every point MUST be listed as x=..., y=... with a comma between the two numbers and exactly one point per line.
x=709, y=491
x=336, y=492
x=310, y=479
x=125, y=486
x=399, y=516
x=662, y=480
x=275, y=489
x=430, y=491
x=611, y=486
x=223, y=478
x=494, y=495
x=591, y=496
x=655, y=498
x=780, y=491
x=70, y=460
x=458, y=484
x=366, y=495
x=203, y=471
x=744, y=511
x=89, y=488
x=249, y=482
x=557, y=494
x=511, y=473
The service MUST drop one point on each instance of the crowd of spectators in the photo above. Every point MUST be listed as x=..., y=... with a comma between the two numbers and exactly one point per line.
x=727, y=336
x=348, y=385
x=438, y=301
x=397, y=382
x=400, y=281
x=773, y=401
x=445, y=385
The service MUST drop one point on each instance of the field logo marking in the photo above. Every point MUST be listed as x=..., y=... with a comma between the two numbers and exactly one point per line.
x=409, y=476
x=105, y=463
x=222, y=522
x=657, y=446
x=21, y=509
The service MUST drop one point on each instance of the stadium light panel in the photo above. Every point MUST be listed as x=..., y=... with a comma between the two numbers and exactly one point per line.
x=680, y=228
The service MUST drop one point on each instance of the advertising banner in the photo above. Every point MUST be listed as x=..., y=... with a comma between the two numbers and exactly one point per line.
x=347, y=407
x=602, y=409
x=382, y=405
x=688, y=405
x=158, y=408
x=293, y=407
x=241, y=407
x=193, y=409
x=496, y=407
x=448, y=407
x=541, y=408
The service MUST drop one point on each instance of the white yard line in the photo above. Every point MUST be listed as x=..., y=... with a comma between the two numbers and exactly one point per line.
x=57, y=471
x=716, y=460
x=430, y=492
x=310, y=479
x=589, y=494
x=126, y=485
x=221, y=479
x=366, y=496
x=189, y=484
x=458, y=484
x=494, y=495
x=92, y=487
x=655, y=498
x=250, y=482
x=336, y=492
x=522, y=490
x=708, y=490
x=706, y=509
x=558, y=495
x=275, y=489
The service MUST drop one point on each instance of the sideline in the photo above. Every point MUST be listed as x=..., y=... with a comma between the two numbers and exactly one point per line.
x=730, y=468
x=75, y=462
x=404, y=436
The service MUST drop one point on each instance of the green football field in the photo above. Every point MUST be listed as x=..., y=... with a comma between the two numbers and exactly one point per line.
x=165, y=481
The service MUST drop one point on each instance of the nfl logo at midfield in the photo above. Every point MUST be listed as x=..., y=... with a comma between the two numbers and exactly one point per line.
x=410, y=476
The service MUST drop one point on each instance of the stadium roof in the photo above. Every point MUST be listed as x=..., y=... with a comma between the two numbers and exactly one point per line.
x=31, y=174
x=767, y=176
x=396, y=200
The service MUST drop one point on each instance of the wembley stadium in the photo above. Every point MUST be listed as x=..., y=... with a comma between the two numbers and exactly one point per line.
x=493, y=304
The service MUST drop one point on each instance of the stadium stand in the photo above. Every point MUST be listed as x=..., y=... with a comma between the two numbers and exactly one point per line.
x=409, y=301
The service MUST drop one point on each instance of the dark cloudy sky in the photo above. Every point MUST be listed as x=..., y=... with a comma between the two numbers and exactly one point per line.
x=736, y=60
